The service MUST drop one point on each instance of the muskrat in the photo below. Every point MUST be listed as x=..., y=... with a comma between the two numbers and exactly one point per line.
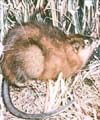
x=41, y=52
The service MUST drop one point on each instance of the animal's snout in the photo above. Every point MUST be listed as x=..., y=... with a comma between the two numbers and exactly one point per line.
x=95, y=43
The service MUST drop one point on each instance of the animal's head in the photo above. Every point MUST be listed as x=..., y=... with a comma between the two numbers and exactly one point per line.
x=83, y=46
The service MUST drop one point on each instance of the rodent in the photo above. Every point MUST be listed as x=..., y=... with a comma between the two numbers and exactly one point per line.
x=41, y=52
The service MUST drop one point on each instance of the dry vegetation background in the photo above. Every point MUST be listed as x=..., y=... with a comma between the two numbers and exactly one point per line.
x=71, y=16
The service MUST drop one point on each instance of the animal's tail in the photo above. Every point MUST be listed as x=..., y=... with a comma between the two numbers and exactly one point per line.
x=13, y=110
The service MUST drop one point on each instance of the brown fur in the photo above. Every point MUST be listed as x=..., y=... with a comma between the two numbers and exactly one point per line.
x=40, y=52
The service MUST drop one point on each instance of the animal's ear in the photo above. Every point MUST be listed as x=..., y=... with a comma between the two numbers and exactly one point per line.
x=76, y=46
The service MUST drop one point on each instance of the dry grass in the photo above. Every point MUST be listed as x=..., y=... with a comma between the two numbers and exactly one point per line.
x=84, y=87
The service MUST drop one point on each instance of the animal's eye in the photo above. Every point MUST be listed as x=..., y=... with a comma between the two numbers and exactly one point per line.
x=87, y=42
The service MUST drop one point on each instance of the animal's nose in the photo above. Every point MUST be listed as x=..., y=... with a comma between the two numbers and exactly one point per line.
x=95, y=43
